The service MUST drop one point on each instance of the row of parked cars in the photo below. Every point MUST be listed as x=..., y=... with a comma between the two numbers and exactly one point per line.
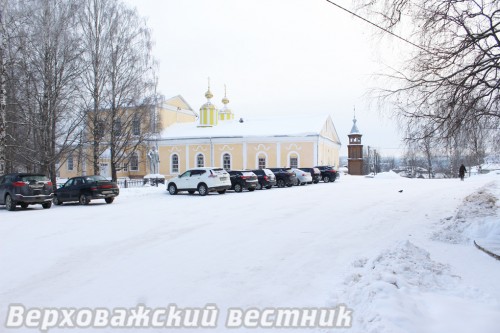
x=205, y=180
x=24, y=189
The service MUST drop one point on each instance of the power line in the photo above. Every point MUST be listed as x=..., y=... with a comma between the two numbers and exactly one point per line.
x=377, y=26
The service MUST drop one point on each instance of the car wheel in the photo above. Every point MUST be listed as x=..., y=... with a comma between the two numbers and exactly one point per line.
x=47, y=205
x=191, y=192
x=326, y=179
x=109, y=200
x=280, y=183
x=56, y=201
x=251, y=189
x=202, y=190
x=269, y=187
x=221, y=191
x=9, y=203
x=172, y=189
x=83, y=200
x=333, y=179
x=24, y=205
x=238, y=188
x=289, y=185
x=259, y=186
x=316, y=181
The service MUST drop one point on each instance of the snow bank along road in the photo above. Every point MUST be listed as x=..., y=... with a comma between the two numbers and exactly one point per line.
x=403, y=262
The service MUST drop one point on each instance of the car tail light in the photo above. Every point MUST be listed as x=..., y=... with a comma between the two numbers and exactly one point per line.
x=93, y=188
x=18, y=184
x=266, y=178
x=49, y=183
x=212, y=175
x=303, y=175
x=106, y=186
x=244, y=177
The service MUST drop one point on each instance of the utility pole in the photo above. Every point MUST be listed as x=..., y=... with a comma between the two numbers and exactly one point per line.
x=3, y=92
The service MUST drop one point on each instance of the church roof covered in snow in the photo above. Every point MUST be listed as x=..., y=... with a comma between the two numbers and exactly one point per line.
x=265, y=126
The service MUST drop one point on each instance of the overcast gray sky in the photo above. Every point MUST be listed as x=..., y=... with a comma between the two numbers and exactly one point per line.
x=276, y=57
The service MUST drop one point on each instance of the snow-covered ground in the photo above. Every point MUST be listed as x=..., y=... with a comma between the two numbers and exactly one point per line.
x=402, y=261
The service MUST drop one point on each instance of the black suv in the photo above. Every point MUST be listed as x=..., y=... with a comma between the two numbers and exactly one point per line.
x=315, y=173
x=284, y=177
x=266, y=177
x=25, y=189
x=243, y=180
x=85, y=188
x=328, y=173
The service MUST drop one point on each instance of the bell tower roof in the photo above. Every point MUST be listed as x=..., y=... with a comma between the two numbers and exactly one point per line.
x=354, y=129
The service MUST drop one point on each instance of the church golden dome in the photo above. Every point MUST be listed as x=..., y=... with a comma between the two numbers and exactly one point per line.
x=209, y=94
x=225, y=113
x=208, y=111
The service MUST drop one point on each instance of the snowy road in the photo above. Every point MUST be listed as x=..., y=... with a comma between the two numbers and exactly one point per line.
x=292, y=247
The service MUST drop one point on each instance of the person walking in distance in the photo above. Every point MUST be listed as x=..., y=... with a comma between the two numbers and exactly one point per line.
x=462, y=171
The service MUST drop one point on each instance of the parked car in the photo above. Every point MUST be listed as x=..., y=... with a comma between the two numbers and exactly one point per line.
x=266, y=178
x=284, y=177
x=328, y=173
x=315, y=174
x=241, y=180
x=25, y=189
x=302, y=177
x=86, y=188
x=203, y=180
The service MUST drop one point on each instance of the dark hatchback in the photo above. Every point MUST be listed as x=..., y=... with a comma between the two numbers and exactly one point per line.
x=328, y=173
x=284, y=177
x=315, y=173
x=86, y=188
x=266, y=178
x=241, y=180
x=25, y=189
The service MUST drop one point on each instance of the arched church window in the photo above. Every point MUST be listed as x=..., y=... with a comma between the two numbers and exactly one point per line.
x=226, y=161
x=200, y=160
x=174, y=168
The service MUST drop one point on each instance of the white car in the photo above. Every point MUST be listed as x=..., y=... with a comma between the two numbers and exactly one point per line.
x=203, y=180
x=302, y=177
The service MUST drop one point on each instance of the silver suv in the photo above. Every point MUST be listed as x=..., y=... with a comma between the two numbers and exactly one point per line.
x=203, y=180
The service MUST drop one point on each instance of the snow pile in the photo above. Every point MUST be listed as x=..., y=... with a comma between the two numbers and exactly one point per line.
x=476, y=217
x=388, y=175
x=383, y=291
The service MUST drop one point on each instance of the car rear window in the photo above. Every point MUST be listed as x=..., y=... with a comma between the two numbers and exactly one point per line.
x=268, y=172
x=248, y=173
x=96, y=179
x=218, y=171
x=34, y=178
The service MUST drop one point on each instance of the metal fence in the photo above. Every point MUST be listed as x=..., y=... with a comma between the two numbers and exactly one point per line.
x=126, y=183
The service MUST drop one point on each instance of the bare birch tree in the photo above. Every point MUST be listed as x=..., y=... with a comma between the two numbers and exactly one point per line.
x=45, y=66
x=3, y=91
x=95, y=23
x=131, y=87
